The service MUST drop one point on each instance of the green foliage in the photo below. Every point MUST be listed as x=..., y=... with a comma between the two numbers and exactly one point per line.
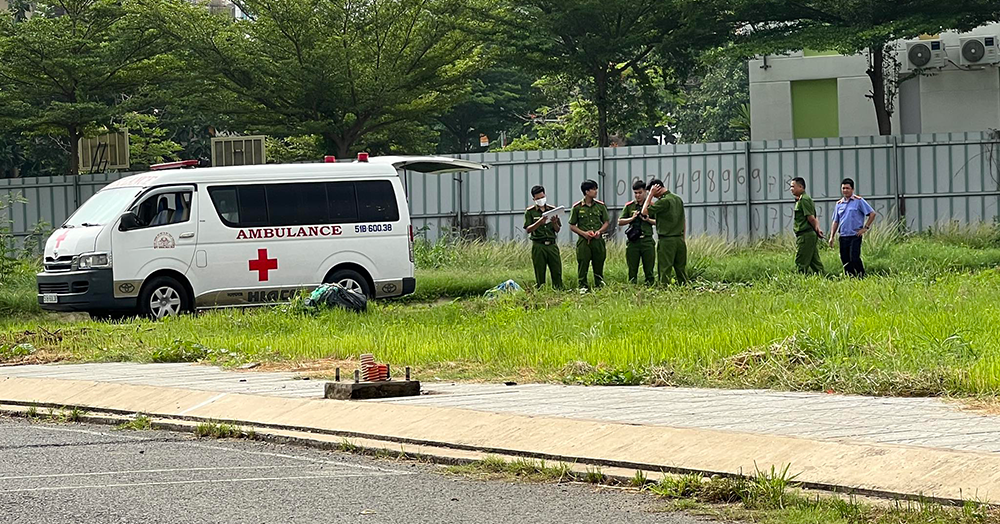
x=606, y=44
x=304, y=148
x=64, y=74
x=148, y=142
x=499, y=100
x=330, y=68
x=15, y=352
x=180, y=351
x=713, y=104
x=222, y=430
x=8, y=248
x=531, y=470
x=139, y=423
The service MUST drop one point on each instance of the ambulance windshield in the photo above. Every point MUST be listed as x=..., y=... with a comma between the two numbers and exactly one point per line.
x=103, y=207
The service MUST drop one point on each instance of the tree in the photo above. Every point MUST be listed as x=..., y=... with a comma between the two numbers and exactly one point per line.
x=340, y=69
x=712, y=103
x=605, y=43
x=855, y=26
x=63, y=70
x=499, y=100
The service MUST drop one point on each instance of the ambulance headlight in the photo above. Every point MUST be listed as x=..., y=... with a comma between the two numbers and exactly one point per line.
x=92, y=261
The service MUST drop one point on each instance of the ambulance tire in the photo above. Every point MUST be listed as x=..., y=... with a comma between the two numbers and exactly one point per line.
x=163, y=297
x=352, y=280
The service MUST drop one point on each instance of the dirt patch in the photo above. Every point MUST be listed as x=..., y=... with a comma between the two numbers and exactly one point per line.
x=985, y=406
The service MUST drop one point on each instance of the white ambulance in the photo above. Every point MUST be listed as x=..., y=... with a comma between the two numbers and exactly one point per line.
x=175, y=240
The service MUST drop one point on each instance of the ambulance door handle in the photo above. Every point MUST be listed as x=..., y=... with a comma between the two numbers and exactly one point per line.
x=187, y=235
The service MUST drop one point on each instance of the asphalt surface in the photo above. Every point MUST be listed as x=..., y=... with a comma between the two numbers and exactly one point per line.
x=59, y=473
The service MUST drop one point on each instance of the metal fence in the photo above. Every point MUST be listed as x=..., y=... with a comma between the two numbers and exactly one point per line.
x=736, y=190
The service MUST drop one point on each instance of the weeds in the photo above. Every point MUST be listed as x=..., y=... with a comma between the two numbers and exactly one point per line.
x=221, y=430
x=139, y=423
x=526, y=469
x=639, y=480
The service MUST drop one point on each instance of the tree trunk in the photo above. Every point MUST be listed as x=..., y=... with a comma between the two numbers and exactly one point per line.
x=74, y=150
x=876, y=72
x=601, y=84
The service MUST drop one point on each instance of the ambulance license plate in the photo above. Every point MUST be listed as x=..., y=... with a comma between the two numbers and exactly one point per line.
x=50, y=298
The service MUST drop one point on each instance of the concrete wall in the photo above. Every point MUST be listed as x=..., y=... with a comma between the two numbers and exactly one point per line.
x=950, y=101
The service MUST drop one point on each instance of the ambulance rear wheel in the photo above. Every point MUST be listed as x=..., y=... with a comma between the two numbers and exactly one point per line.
x=351, y=280
x=163, y=297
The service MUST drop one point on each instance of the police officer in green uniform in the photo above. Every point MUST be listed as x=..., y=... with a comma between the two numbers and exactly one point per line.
x=671, y=250
x=589, y=219
x=644, y=248
x=542, y=231
x=807, y=231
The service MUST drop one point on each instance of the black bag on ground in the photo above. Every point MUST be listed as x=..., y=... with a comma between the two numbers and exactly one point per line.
x=634, y=230
x=335, y=295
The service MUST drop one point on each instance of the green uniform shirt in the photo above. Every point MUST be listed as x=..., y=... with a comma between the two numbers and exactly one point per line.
x=804, y=208
x=646, y=227
x=668, y=212
x=545, y=231
x=589, y=218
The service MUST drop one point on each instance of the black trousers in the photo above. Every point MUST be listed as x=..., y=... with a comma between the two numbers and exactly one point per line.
x=850, y=256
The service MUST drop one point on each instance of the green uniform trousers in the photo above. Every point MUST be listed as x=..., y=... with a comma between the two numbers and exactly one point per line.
x=672, y=256
x=642, y=251
x=587, y=253
x=543, y=255
x=807, y=253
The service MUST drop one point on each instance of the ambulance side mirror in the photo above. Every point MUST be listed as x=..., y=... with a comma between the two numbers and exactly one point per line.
x=129, y=221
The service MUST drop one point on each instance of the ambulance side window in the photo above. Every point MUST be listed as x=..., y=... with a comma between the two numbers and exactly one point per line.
x=253, y=206
x=343, y=202
x=376, y=201
x=226, y=204
x=164, y=209
x=296, y=204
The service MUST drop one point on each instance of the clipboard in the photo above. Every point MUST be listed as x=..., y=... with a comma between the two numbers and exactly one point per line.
x=554, y=211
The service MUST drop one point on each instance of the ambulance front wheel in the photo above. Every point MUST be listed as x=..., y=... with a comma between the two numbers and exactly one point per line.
x=352, y=280
x=163, y=297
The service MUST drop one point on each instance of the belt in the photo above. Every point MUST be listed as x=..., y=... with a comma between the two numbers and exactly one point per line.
x=669, y=236
x=544, y=242
x=804, y=231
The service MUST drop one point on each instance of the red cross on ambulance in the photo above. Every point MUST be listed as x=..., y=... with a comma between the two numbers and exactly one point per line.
x=263, y=264
x=61, y=237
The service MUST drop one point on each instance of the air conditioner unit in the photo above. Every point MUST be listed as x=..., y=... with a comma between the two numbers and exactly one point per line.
x=925, y=54
x=104, y=153
x=979, y=50
x=238, y=150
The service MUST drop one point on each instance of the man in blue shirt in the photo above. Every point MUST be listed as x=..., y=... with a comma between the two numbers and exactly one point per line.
x=853, y=218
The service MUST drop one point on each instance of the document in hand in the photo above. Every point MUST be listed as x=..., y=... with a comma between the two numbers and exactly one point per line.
x=555, y=211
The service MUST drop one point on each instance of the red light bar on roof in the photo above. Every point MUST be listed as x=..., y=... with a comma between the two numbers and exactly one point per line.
x=330, y=159
x=173, y=165
x=362, y=157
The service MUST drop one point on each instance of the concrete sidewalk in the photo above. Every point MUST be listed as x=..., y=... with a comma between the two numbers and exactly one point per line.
x=877, y=445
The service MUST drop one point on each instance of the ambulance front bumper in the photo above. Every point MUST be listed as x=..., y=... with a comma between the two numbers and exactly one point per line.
x=84, y=290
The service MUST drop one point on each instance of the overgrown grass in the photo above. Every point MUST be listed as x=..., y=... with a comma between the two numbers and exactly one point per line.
x=18, y=289
x=928, y=325
x=452, y=268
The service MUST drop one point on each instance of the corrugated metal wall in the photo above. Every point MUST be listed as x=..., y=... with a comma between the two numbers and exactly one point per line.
x=736, y=190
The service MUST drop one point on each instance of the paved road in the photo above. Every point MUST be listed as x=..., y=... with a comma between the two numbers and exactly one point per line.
x=57, y=473
x=926, y=422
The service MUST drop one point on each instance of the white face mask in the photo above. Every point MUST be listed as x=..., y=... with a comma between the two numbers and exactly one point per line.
x=540, y=202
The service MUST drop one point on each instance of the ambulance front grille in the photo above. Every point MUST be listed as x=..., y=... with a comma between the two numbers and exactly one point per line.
x=58, y=264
